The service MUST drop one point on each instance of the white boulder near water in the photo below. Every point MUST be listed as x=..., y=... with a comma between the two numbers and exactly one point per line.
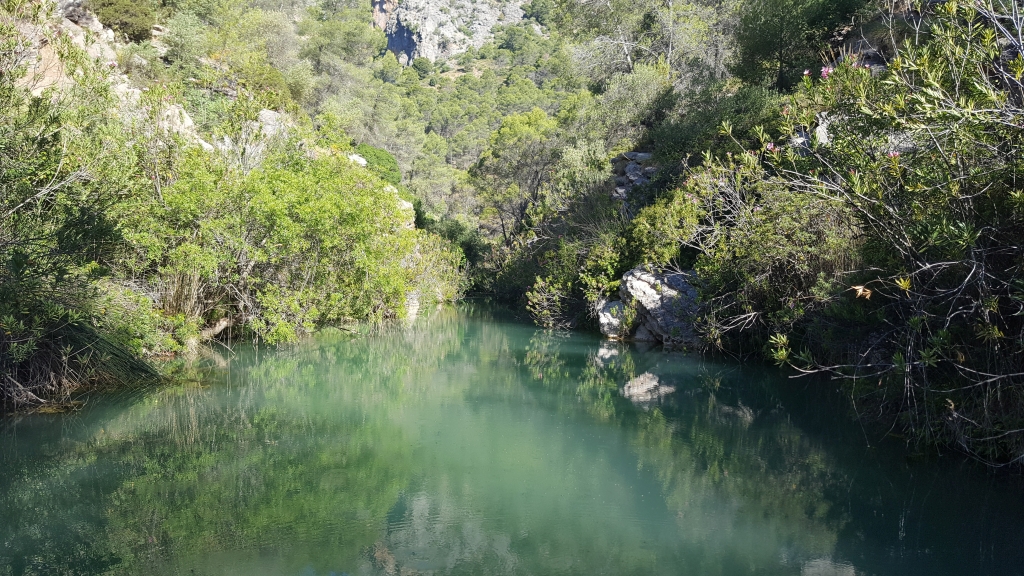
x=654, y=306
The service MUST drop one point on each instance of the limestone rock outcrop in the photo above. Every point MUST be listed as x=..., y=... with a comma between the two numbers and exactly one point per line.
x=664, y=306
x=175, y=120
x=439, y=29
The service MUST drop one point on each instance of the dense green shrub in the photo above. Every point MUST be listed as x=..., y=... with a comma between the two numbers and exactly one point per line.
x=874, y=232
x=768, y=254
x=381, y=163
x=540, y=10
x=185, y=39
x=132, y=18
x=423, y=67
x=695, y=126
x=259, y=249
x=928, y=158
x=57, y=237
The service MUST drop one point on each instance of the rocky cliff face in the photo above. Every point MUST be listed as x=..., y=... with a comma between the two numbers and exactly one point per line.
x=439, y=29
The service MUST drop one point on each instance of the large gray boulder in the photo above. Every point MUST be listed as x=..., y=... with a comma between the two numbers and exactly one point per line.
x=666, y=305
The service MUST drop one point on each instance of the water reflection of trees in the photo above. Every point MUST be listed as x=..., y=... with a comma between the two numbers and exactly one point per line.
x=274, y=454
x=707, y=447
x=409, y=451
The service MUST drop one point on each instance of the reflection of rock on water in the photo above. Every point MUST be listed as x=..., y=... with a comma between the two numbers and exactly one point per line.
x=646, y=389
x=740, y=413
x=826, y=567
x=605, y=354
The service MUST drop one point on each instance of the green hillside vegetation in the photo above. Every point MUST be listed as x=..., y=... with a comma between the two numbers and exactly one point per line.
x=851, y=212
x=124, y=241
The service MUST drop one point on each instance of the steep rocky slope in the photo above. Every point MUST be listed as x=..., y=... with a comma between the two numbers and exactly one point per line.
x=438, y=29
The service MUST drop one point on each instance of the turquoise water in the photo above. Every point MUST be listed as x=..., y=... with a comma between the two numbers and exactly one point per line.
x=470, y=444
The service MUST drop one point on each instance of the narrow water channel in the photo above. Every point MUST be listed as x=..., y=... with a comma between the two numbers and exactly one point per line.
x=471, y=444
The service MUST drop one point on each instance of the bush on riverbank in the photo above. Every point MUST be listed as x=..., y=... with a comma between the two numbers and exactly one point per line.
x=123, y=235
x=866, y=225
x=887, y=247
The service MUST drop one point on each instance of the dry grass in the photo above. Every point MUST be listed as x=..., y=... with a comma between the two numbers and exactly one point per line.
x=64, y=361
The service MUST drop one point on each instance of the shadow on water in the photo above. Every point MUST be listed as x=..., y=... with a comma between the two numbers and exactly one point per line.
x=467, y=443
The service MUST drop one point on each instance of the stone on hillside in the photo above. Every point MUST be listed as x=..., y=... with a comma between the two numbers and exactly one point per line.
x=137, y=63
x=801, y=142
x=356, y=158
x=643, y=334
x=409, y=210
x=272, y=123
x=175, y=120
x=76, y=12
x=666, y=305
x=126, y=93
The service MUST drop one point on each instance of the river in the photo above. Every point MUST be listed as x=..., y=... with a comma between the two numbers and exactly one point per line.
x=467, y=443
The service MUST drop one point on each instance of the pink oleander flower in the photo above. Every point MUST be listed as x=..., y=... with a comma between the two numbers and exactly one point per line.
x=770, y=146
x=826, y=70
x=894, y=154
x=807, y=72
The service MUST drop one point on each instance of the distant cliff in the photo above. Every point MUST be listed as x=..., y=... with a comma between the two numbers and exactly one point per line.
x=438, y=29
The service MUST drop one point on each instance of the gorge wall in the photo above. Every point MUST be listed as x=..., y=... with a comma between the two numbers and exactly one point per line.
x=439, y=29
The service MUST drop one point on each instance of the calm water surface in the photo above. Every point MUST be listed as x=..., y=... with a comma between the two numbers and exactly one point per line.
x=470, y=444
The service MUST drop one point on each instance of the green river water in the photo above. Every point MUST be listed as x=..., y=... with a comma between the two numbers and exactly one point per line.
x=470, y=444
